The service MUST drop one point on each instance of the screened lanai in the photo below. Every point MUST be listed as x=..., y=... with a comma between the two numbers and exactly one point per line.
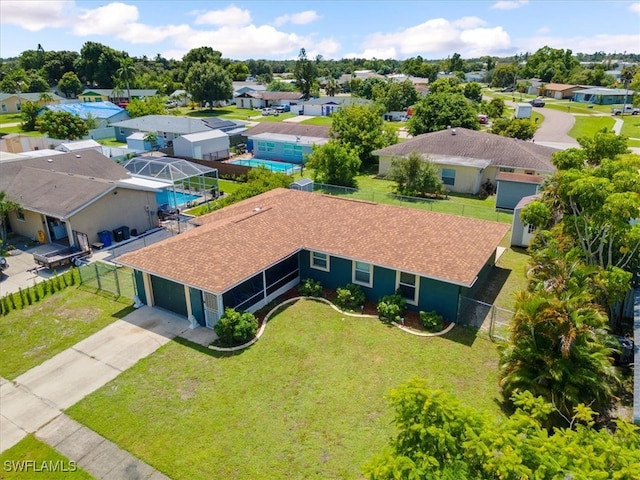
x=189, y=183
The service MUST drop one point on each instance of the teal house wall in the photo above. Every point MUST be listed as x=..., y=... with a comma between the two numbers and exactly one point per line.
x=439, y=296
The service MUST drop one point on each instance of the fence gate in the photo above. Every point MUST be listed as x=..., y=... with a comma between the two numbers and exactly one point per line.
x=108, y=278
x=211, y=309
x=485, y=316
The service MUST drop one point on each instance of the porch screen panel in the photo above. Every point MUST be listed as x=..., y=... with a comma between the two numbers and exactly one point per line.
x=282, y=273
x=246, y=294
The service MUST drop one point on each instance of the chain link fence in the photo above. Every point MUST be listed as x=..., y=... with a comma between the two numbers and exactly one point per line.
x=484, y=316
x=115, y=280
x=441, y=205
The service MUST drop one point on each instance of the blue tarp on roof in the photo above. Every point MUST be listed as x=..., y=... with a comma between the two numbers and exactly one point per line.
x=84, y=109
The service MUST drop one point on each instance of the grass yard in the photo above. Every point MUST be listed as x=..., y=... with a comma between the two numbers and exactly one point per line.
x=112, y=142
x=631, y=128
x=588, y=126
x=318, y=121
x=44, y=329
x=306, y=401
x=30, y=449
x=10, y=118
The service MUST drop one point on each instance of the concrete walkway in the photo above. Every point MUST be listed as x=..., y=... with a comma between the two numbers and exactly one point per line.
x=298, y=119
x=38, y=396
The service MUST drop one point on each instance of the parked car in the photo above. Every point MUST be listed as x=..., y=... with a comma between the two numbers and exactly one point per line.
x=628, y=110
x=283, y=108
x=483, y=119
x=508, y=89
x=269, y=111
x=537, y=102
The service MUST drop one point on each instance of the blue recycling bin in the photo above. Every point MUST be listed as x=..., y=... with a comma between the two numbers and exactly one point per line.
x=105, y=238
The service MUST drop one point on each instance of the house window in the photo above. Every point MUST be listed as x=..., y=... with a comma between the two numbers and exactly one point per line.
x=448, y=176
x=530, y=172
x=507, y=170
x=362, y=274
x=530, y=228
x=320, y=261
x=20, y=215
x=4, y=108
x=407, y=283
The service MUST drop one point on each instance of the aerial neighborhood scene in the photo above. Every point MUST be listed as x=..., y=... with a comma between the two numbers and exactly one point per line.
x=319, y=240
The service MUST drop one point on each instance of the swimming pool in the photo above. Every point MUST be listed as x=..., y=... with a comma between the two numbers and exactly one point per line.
x=181, y=198
x=279, y=167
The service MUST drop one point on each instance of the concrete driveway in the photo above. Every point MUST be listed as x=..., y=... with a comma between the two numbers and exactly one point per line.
x=555, y=127
x=39, y=395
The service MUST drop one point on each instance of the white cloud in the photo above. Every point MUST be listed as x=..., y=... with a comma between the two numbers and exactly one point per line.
x=635, y=7
x=300, y=18
x=110, y=19
x=139, y=33
x=35, y=15
x=327, y=47
x=543, y=30
x=230, y=16
x=509, y=4
x=593, y=43
x=438, y=37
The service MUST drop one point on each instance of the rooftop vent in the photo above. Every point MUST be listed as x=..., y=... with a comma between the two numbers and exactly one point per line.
x=453, y=131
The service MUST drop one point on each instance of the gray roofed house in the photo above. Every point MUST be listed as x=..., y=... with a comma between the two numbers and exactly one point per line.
x=325, y=106
x=82, y=191
x=469, y=158
x=604, y=96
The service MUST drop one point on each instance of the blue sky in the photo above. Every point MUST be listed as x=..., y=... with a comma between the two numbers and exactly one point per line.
x=334, y=29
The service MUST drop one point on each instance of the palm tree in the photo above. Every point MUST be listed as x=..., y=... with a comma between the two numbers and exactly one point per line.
x=331, y=87
x=126, y=72
x=46, y=98
x=6, y=206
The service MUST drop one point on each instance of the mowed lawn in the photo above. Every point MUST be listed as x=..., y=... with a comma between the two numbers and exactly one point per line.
x=306, y=401
x=38, y=332
x=30, y=458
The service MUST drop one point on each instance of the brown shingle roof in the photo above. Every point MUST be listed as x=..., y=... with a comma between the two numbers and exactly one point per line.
x=290, y=128
x=236, y=242
x=473, y=144
x=559, y=87
x=519, y=177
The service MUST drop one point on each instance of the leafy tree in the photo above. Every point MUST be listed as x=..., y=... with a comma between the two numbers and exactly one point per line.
x=126, y=73
x=331, y=87
x=14, y=80
x=235, y=328
x=520, y=128
x=238, y=71
x=209, y=83
x=70, y=84
x=29, y=115
x=415, y=176
x=280, y=86
x=550, y=64
x=473, y=91
x=503, y=75
x=437, y=111
x=334, y=164
x=97, y=63
x=360, y=128
x=148, y=106
x=62, y=125
x=455, y=63
x=305, y=73
x=445, y=85
x=6, y=205
x=152, y=138
x=37, y=83
x=440, y=438
x=604, y=144
x=569, y=158
x=56, y=64
x=200, y=56
x=495, y=108
x=367, y=87
x=398, y=96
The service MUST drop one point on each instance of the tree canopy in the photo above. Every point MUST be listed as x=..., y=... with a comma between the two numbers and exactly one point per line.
x=62, y=125
x=437, y=111
x=305, y=72
x=439, y=438
x=414, y=176
x=334, y=164
x=520, y=128
x=209, y=83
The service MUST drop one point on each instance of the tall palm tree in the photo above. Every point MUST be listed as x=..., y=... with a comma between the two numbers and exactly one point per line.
x=126, y=73
x=45, y=98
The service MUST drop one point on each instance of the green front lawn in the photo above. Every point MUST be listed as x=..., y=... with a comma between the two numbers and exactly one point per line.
x=318, y=121
x=306, y=401
x=10, y=118
x=588, y=126
x=31, y=458
x=38, y=332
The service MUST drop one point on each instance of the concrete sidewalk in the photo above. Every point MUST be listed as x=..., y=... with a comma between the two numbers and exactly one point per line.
x=36, y=397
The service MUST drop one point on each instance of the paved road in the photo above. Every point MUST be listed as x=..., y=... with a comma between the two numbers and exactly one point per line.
x=555, y=127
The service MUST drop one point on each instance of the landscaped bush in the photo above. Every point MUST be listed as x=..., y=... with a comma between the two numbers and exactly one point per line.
x=235, y=328
x=310, y=288
x=23, y=298
x=350, y=297
x=432, y=321
x=391, y=307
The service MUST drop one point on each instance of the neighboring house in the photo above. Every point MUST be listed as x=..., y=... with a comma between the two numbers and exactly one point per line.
x=79, y=145
x=559, y=91
x=604, y=96
x=282, y=147
x=469, y=158
x=246, y=255
x=115, y=95
x=325, y=106
x=139, y=142
x=170, y=126
x=10, y=102
x=477, y=76
x=255, y=99
x=534, y=86
x=19, y=143
x=209, y=145
x=244, y=87
x=104, y=113
x=82, y=192
x=286, y=128
x=512, y=187
x=521, y=233
x=182, y=97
